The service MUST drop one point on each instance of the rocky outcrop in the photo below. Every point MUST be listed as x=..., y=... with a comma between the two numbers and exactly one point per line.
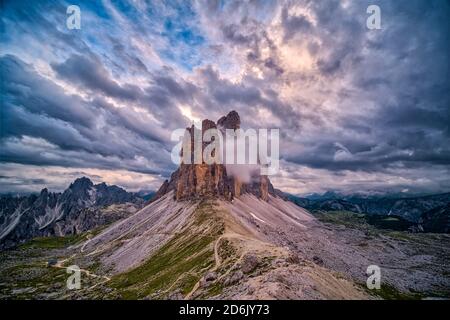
x=230, y=121
x=193, y=181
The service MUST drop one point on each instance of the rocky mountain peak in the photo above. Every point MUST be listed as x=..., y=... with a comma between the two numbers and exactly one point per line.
x=193, y=181
x=230, y=121
x=82, y=183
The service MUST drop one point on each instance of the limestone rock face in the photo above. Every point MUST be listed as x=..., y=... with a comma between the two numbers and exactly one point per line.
x=193, y=181
x=200, y=180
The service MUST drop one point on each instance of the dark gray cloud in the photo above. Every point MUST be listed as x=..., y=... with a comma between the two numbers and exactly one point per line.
x=293, y=24
x=26, y=89
x=350, y=101
x=89, y=73
x=403, y=77
x=124, y=59
x=38, y=115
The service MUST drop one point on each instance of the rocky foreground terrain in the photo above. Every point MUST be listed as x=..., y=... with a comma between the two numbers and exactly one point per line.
x=244, y=249
x=209, y=235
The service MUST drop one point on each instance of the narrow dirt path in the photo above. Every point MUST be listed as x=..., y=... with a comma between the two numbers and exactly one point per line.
x=59, y=265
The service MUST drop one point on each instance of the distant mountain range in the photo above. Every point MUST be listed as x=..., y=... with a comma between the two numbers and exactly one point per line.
x=82, y=206
x=146, y=194
x=430, y=213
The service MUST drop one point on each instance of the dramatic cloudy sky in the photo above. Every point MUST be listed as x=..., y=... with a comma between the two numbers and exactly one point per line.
x=359, y=110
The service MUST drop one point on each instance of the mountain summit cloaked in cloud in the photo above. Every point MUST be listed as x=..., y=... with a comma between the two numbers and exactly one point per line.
x=191, y=181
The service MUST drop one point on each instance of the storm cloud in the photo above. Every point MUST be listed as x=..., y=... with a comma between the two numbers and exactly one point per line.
x=359, y=110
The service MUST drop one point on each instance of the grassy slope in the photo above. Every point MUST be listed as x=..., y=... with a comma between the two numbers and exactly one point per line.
x=54, y=242
x=180, y=263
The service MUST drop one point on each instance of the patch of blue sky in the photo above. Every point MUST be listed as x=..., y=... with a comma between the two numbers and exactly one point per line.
x=185, y=40
x=184, y=59
x=184, y=48
x=125, y=7
x=177, y=32
x=29, y=23
x=96, y=7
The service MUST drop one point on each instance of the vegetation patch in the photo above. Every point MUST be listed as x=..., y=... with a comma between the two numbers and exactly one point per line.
x=31, y=281
x=345, y=218
x=214, y=290
x=364, y=221
x=53, y=242
x=179, y=264
x=389, y=292
x=226, y=249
